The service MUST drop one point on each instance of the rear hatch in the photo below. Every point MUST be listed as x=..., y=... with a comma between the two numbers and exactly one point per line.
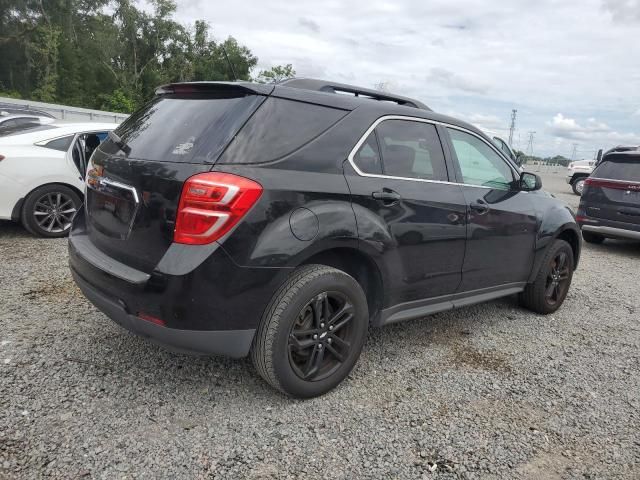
x=613, y=190
x=136, y=176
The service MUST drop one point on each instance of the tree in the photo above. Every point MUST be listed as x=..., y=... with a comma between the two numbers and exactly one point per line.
x=110, y=53
x=276, y=74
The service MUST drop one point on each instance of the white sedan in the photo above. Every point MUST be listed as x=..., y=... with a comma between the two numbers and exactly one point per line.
x=42, y=172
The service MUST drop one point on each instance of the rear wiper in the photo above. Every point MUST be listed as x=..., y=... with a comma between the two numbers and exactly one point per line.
x=119, y=143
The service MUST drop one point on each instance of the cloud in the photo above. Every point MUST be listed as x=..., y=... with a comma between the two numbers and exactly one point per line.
x=591, y=131
x=486, y=121
x=455, y=81
x=455, y=57
x=310, y=24
x=623, y=10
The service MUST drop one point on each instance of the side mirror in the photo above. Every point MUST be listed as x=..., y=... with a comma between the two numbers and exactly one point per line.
x=530, y=182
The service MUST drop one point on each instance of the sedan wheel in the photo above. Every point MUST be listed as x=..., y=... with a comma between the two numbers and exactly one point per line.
x=49, y=210
x=53, y=212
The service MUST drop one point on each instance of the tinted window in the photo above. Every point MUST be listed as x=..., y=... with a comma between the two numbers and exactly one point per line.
x=20, y=129
x=278, y=128
x=367, y=159
x=61, y=144
x=619, y=169
x=411, y=149
x=192, y=128
x=479, y=163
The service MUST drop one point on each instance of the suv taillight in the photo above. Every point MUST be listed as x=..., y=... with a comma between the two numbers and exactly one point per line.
x=211, y=204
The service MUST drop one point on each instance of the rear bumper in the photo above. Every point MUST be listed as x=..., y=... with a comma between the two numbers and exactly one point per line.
x=232, y=343
x=198, y=299
x=612, y=231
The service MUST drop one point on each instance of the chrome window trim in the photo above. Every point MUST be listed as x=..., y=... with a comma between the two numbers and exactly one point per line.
x=378, y=121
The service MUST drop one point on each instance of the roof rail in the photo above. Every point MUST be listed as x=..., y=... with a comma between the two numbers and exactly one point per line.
x=333, y=87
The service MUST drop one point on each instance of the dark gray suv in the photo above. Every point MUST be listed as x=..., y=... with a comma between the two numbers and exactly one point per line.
x=610, y=202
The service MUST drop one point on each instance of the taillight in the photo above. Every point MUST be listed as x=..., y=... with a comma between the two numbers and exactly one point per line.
x=2, y=157
x=615, y=184
x=211, y=204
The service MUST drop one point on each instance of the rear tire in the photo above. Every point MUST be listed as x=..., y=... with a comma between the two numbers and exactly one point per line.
x=578, y=185
x=591, y=237
x=549, y=290
x=312, y=332
x=48, y=210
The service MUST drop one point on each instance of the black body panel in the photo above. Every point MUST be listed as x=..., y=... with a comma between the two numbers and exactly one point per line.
x=500, y=238
x=428, y=248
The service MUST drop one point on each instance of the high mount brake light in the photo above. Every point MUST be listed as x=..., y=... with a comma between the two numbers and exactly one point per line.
x=211, y=204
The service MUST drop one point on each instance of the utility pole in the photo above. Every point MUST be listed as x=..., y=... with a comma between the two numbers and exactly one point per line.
x=513, y=126
x=529, y=150
x=575, y=150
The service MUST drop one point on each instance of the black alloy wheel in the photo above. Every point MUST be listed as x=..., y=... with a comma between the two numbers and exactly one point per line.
x=558, y=278
x=546, y=293
x=321, y=337
x=312, y=332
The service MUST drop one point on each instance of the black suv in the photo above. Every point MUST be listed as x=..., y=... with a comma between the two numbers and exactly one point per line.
x=610, y=202
x=282, y=221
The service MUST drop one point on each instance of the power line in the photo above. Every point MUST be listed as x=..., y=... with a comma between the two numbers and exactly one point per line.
x=513, y=126
x=530, y=143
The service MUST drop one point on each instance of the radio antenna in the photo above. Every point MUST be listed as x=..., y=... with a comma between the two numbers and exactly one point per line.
x=233, y=71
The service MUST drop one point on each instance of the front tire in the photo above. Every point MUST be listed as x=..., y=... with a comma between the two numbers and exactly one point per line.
x=48, y=210
x=591, y=237
x=312, y=332
x=549, y=290
x=578, y=185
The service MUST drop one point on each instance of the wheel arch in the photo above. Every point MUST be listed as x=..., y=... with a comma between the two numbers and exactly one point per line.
x=63, y=184
x=568, y=232
x=360, y=266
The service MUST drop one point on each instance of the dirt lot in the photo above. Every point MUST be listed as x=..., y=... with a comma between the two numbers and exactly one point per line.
x=490, y=391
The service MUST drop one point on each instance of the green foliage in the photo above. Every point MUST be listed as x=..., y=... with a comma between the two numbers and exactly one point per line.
x=276, y=74
x=118, y=101
x=10, y=94
x=109, y=53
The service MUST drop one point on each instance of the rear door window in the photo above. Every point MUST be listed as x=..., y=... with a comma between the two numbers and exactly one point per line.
x=619, y=169
x=411, y=150
x=279, y=128
x=189, y=128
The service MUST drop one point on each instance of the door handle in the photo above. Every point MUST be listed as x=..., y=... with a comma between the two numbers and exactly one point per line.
x=387, y=196
x=479, y=206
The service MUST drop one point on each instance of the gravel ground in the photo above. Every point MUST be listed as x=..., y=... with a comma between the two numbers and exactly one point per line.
x=490, y=391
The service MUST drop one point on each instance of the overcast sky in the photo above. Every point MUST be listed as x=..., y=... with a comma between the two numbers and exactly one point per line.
x=570, y=67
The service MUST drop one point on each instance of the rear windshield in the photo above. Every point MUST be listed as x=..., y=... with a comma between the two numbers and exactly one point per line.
x=619, y=169
x=189, y=128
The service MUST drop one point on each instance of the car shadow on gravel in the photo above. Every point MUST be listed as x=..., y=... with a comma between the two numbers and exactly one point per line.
x=12, y=230
x=109, y=352
x=622, y=247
